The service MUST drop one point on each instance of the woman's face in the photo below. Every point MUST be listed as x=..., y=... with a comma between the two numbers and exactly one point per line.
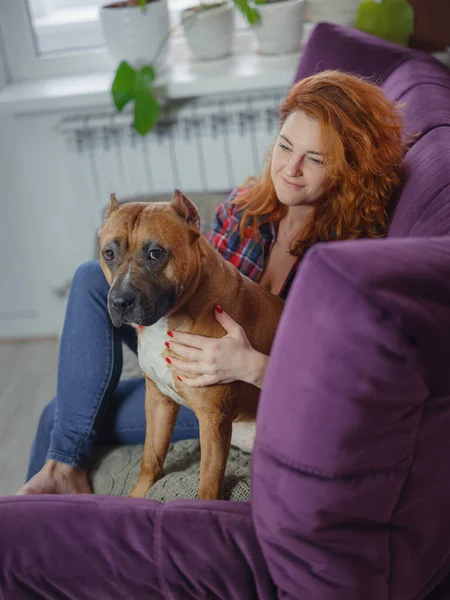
x=298, y=167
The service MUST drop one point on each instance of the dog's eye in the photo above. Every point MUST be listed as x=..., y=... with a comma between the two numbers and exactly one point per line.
x=108, y=255
x=155, y=254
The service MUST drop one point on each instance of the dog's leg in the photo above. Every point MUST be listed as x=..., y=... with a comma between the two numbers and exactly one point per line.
x=160, y=415
x=215, y=439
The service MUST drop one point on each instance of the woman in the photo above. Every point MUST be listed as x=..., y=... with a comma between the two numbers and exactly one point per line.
x=332, y=171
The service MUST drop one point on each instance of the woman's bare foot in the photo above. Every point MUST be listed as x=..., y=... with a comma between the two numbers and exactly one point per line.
x=57, y=478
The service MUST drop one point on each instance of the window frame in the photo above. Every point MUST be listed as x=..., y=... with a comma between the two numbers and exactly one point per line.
x=23, y=59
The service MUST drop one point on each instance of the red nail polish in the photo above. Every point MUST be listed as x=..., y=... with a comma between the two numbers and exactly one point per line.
x=219, y=308
x=168, y=360
x=170, y=333
x=179, y=378
x=167, y=344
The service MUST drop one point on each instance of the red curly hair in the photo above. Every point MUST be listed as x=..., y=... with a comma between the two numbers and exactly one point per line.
x=362, y=132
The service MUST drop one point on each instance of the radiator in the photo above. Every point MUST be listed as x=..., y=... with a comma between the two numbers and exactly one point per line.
x=202, y=146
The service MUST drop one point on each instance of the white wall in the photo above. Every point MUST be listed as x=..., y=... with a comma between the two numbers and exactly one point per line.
x=3, y=77
x=38, y=214
x=43, y=232
x=43, y=229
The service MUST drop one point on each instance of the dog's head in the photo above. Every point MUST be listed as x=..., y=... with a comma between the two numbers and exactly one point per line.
x=148, y=254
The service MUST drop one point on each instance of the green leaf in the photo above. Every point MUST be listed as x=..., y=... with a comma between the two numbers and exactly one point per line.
x=392, y=20
x=147, y=74
x=122, y=88
x=130, y=84
x=251, y=14
x=146, y=107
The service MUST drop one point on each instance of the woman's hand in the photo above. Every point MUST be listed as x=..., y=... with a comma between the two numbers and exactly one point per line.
x=213, y=361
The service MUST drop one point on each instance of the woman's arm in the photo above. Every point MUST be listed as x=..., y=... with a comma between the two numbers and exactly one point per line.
x=208, y=361
x=257, y=365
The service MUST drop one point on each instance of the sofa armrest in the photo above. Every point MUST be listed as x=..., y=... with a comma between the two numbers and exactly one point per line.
x=102, y=547
x=361, y=348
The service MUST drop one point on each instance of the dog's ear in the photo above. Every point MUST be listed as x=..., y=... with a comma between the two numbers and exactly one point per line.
x=188, y=211
x=113, y=206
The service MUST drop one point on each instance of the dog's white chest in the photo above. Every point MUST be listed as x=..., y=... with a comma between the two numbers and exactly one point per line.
x=243, y=435
x=152, y=359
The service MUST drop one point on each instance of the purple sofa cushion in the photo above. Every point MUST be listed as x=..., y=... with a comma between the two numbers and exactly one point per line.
x=415, y=103
x=350, y=499
x=423, y=68
x=424, y=205
x=111, y=548
x=419, y=85
x=333, y=46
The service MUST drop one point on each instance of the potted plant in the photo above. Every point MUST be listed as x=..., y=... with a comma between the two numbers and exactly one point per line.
x=342, y=12
x=209, y=27
x=135, y=29
x=137, y=33
x=281, y=26
x=134, y=82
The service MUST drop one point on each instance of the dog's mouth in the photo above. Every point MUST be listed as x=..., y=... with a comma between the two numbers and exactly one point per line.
x=140, y=311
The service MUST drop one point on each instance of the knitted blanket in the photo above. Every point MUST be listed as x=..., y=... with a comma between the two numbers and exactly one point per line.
x=116, y=469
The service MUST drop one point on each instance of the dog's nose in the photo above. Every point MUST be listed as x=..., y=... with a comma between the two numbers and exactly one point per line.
x=122, y=302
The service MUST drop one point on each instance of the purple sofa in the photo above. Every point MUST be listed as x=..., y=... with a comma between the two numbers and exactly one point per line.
x=350, y=473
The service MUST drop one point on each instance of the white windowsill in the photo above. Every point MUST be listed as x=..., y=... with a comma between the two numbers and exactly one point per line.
x=245, y=70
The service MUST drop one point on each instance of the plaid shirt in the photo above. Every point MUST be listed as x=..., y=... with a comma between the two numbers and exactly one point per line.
x=247, y=254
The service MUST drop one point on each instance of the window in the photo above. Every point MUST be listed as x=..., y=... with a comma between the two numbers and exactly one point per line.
x=30, y=56
x=64, y=25
x=50, y=38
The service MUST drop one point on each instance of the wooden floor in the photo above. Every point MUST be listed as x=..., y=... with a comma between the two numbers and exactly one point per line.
x=27, y=383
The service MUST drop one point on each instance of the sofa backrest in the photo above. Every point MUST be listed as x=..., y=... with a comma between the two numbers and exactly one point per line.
x=333, y=46
x=424, y=205
x=421, y=86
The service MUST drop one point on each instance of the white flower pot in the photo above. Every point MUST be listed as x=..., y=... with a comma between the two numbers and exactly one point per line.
x=209, y=32
x=342, y=12
x=41, y=8
x=281, y=27
x=136, y=35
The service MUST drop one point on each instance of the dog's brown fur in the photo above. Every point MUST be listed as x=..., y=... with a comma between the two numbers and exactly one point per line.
x=201, y=278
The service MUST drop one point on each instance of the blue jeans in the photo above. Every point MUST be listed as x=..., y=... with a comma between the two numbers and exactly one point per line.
x=92, y=406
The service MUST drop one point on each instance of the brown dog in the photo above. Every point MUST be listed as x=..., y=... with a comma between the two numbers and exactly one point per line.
x=164, y=275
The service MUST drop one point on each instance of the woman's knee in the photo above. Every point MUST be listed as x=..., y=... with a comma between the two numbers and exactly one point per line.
x=89, y=273
x=89, y=278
